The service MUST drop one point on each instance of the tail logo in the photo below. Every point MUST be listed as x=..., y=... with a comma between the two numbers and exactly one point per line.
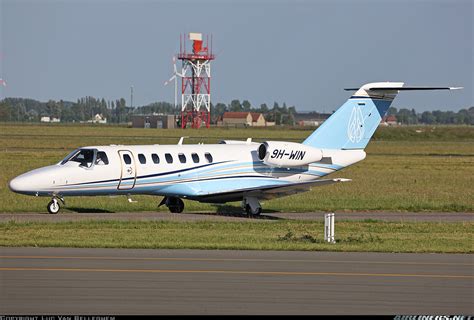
x=355, y=128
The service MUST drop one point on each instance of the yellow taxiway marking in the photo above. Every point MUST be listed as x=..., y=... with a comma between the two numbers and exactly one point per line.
x=235, y=259
x=276, y=273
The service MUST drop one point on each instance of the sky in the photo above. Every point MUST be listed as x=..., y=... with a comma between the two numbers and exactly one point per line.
x=299, y=52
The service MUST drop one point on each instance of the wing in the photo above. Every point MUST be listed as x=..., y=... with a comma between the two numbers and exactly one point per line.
x=266, y=193
x=282, y=191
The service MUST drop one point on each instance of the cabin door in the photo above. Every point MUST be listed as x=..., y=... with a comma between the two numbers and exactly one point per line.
x=128, y=175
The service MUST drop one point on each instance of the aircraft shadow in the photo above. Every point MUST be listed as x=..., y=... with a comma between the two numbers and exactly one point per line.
x=88, y=210
x=233, y=211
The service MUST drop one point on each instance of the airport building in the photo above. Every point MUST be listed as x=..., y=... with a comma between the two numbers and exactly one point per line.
x=311, y=118
x=153, y=121
x=243, y=119
x=389, y=120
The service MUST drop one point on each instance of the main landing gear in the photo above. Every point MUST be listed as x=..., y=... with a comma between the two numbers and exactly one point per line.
x=174, y=204
x=54, y=206
x=252, y=206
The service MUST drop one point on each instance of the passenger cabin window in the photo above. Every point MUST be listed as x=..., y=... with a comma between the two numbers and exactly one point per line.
x=101, y=158
x=195, y=157
x=168, y=158
x=155, y=158
x=182, y=158
x=85, y=157
x=127, y=159
x=141, y=158
x=208, y=157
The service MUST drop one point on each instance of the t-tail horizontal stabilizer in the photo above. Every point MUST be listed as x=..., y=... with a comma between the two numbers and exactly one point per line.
x=407, y=88
x=354, y=123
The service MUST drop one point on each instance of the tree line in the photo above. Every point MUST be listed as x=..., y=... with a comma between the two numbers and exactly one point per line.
x=84, y=109
x=407, y=116
x=116, y=111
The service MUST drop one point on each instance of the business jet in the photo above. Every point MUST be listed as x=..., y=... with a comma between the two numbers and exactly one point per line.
x=243, y=171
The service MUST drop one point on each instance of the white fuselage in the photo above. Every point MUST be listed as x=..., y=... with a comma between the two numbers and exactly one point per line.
x=187, y=171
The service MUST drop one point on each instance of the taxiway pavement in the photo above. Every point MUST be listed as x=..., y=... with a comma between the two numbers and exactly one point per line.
x=128, y=281
x=235, y=215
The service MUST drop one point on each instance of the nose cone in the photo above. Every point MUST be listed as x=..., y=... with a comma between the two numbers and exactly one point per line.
x=19, y=184
x=35, y=182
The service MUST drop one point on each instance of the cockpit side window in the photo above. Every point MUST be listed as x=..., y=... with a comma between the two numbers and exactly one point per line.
x=101, y=158
x=85, y=157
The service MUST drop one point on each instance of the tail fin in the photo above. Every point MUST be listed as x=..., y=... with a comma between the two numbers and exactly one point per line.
x=354, y=123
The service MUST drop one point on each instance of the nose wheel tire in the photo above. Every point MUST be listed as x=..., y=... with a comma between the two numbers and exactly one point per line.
x=53, y=206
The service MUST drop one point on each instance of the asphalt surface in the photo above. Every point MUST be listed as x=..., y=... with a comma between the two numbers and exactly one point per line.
x=234, y=214
x=122, y=281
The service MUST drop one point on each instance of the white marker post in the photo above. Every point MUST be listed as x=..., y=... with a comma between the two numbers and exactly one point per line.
x=329, y=228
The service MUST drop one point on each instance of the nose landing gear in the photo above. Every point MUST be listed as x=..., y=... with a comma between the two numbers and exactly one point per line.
x=54, y=206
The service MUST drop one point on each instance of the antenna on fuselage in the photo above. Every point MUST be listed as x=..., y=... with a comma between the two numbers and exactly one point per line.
x=180, y=142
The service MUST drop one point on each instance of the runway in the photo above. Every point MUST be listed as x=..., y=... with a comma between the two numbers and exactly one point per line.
x=235, y=214
x=119, y=281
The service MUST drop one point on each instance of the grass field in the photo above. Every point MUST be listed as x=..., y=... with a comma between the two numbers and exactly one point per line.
x=252, y=235
x=406, y=169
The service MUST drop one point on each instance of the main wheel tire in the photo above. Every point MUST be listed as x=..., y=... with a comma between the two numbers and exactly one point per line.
x=251, y=212
x=53, y=207
x=179, y=206
x=176, y=205
x=248, y=210
x=258, y=211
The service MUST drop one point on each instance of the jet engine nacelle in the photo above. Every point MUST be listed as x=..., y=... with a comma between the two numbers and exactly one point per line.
x=288, y=154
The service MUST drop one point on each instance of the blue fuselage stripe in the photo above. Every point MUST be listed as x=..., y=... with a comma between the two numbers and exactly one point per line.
x=226, y=170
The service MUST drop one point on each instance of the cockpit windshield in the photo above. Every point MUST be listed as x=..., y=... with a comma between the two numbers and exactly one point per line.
x=85, y=157
x=69, y=156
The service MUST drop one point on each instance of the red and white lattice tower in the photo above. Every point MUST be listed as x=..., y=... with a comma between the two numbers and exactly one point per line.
x=195, y=80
